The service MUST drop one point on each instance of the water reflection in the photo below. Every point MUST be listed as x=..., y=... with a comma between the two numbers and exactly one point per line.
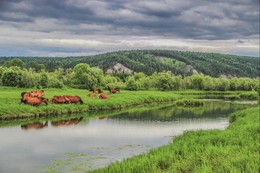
x=68, y=122
x=211, y=109
x=35, y=125
x=41, y=125
x=83, y=143
x=103, y=117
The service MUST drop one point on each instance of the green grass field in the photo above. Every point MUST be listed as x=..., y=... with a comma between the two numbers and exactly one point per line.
x=235, y=149
x=10, y=107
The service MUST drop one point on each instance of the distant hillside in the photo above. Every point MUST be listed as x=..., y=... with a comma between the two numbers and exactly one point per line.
x=149, y=61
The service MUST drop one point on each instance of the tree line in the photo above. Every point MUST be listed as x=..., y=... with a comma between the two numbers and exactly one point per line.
x=82, y=75
x=150, y=61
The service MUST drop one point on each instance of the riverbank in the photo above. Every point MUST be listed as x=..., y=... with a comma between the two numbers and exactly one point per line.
x=235, y=149
x=10, y=107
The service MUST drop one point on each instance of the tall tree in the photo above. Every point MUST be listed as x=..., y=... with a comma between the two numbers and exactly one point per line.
x=16, y=62
x=11, y=77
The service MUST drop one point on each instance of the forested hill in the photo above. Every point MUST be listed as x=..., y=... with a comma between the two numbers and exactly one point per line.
x=149, y=61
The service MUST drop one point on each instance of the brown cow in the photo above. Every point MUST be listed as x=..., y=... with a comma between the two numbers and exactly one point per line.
x=37, y=93
x=95, y=90
x=60, y=100
x=92, y=95
x=103, y=96
x=35, y=101
x=113, y=90
x=100, y=91
x=34, y=93
x=74, y=99
x=24, y=94
x=36, y=125
x=25, y=97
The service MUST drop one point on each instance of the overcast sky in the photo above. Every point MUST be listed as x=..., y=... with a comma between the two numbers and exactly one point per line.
x=87, y=27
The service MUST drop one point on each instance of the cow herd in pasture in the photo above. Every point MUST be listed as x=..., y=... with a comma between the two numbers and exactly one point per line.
x=35, y=97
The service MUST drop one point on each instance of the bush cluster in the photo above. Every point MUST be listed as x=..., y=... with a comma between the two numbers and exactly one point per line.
x=83, y=76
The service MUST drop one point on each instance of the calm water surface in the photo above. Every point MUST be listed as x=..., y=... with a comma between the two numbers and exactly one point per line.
x=77, y=144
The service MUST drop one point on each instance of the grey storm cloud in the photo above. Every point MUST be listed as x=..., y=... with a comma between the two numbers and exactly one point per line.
x=189, y=19
x=196, y=20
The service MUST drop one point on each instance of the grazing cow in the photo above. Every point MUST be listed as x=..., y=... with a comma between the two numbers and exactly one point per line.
x=24, y=94
x=94, y=90
x=36, y=125
x=103, y=96
x=73, y=121
x=37, y=93
x=100, y=90
x=60, y=100
x=25, y=97
x=92, y=95
x=34, y=93
x=35, y=101
x=113, y=90
x=74, y=99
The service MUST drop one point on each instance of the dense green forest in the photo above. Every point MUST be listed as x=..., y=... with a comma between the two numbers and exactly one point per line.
x=150, y=61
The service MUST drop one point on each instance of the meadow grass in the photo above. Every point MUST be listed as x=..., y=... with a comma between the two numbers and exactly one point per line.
x=10, y=107
x=235, y=149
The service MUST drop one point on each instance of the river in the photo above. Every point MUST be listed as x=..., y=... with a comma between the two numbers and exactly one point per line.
x=85, y=142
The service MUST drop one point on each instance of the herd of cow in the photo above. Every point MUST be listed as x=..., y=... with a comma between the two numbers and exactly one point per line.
x=35, y=97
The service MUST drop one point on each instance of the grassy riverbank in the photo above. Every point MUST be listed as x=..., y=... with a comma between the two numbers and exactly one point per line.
x=235, y=149
x=10, y=107
x=152, y=111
